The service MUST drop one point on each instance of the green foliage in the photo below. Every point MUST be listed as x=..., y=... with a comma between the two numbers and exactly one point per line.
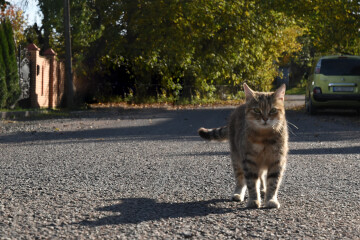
x=33, y=34
x=84, y=28
x=332, y=26
x=188, y=48
x=3, y=87
x=3, y=4
x=12, y=77
x=52, y=17
x=10, y=89
x=335, y=26
x=5, y=48
x=5, y=57
x=200, y=43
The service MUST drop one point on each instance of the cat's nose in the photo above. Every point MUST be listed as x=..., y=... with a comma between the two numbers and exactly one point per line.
x=265, y=119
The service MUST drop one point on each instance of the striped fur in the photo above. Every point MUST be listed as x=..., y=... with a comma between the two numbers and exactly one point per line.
x=217, y=134
x=258, y=136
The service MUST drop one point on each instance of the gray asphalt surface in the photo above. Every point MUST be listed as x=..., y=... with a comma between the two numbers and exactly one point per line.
x=145, y=174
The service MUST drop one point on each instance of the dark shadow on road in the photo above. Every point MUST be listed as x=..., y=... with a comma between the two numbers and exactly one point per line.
x=310, y=151
x=203, y=154
x=183, y=124
x=175, y=124
x=321, y=151
x=137, y=210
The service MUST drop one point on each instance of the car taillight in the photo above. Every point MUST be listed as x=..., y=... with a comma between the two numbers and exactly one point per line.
x=317, y=90
x=317, y=70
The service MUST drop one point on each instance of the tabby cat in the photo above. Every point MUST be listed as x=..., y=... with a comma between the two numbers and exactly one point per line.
x=258, y=137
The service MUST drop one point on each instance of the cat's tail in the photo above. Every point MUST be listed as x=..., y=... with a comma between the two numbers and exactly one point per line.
x=218, y=134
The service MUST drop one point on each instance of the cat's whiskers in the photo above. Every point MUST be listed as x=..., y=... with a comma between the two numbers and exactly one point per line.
x=277, y=127
x=291, y=131
x=289, y=128
x=292, y=124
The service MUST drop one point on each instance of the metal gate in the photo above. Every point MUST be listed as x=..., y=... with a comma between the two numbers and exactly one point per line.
x=24, y=73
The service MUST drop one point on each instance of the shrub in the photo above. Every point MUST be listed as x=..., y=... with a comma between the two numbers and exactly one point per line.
x=3, y=87
x=12, y=75
x=10, y=88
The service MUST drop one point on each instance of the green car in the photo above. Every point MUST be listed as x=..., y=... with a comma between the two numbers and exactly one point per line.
x=334, y=83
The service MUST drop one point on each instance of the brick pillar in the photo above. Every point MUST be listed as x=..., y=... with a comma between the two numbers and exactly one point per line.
x=50, y=55
x=33, y=57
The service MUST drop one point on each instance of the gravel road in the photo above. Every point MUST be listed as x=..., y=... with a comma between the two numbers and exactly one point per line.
x=145, y=174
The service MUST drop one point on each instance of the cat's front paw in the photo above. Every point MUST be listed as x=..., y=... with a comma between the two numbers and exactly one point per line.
x=253, y=204
x=237, y=198
x=272, y=204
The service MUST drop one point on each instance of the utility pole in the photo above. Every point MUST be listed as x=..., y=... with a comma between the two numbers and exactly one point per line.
x=69, y=90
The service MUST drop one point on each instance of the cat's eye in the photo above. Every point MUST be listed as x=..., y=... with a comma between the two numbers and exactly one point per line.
x=256, y=110
x=273, y=110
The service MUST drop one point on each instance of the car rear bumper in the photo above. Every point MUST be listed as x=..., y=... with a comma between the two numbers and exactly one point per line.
x=336, y=97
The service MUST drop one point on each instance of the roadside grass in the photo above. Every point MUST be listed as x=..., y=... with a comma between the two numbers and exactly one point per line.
x=33, y=113
x=18, y=109
x=181, y=104
x=49, y=113
x=298, y=90
x=132, y=101
x=161, y=100
x=148, y=101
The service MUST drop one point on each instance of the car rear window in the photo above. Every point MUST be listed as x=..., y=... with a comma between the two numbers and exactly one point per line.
x=340, y=66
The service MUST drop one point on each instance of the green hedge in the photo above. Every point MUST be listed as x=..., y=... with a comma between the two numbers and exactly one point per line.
x=3, y=87
x=9, y=77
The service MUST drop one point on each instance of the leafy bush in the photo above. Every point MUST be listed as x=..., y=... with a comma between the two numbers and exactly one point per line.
x=9, y=79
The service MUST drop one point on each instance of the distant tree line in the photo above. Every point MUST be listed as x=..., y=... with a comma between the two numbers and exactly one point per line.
x=174, y=48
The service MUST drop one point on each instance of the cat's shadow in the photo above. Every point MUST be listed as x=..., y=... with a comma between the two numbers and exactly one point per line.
x=137, y=210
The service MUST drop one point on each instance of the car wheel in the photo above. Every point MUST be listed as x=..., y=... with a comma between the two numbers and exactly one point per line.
x=306, y=104
x=311, y=109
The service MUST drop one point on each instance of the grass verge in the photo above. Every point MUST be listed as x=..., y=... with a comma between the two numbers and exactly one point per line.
x=296, y=91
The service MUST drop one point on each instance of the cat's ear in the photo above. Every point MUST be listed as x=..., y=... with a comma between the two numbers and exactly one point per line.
x=249, y=94
x=280, y=92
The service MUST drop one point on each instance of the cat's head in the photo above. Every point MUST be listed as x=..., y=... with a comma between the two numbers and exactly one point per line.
x=265, y=110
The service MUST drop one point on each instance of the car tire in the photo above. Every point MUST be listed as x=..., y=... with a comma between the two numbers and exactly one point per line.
x=306, y=104
x=311, y=109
